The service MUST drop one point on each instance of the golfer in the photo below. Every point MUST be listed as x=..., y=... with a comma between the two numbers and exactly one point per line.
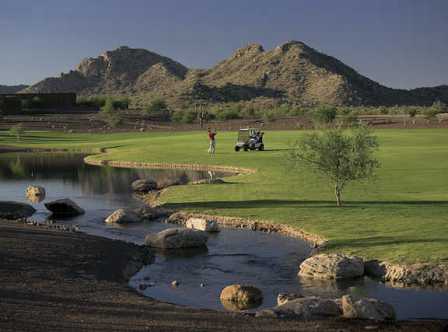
x=212, y=141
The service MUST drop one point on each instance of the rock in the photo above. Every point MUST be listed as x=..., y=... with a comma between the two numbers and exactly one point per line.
x=284, y=298
x=332, y=266
x=367, y=308
x=122, y=216
x=374, y=269
x=15, y=210
x=176, y=238
x=35, y=191
x=64, y=208
x=202, y=224
x=237, y=297
x=309, y=308
x=416, y=274
x=144, y=185
x=35, y=194
x=148, y=213
x=266, y=313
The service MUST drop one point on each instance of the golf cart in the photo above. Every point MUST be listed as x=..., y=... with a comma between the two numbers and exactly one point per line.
x=249, y=139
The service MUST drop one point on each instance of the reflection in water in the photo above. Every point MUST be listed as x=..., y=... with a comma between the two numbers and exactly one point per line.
x=91, y=179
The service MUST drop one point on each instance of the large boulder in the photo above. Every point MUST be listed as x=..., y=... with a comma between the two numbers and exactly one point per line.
x=65, y=207
x=366, y=308
x=176, y=238
x=15, y=210
x=144, y=185
x=202, y=224
x=332, y=266
x=309, y=308
x=122, y=216
x=238, y=297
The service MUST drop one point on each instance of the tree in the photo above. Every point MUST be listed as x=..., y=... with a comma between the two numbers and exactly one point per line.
x=158, y=108
x=338, y=156
x=324, y=115
x=109, y=114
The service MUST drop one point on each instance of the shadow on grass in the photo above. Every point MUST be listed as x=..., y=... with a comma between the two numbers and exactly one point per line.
x=273, y=203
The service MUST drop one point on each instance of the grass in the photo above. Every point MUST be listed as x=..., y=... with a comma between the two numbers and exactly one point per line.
x=401, y=216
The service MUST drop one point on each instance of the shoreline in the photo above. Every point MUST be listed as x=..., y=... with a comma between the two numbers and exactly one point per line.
x=54, y=280
x=399, y=275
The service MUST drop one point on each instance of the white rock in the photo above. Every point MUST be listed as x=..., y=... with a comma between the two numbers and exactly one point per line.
x=202, y=224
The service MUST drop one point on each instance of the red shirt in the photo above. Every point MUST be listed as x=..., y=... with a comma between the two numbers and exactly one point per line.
x=211, y=136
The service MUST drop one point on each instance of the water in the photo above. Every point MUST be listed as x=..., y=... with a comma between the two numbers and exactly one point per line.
x=268, y=261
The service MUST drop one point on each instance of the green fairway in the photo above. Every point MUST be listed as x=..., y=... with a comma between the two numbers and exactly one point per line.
x=401, y=216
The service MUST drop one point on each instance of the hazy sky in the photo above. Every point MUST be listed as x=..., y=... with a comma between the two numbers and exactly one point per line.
x=400, y=43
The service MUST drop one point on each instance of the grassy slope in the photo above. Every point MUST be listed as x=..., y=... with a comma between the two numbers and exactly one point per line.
x=402, y=216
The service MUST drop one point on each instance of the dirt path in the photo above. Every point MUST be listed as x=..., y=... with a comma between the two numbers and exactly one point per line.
x=58, y=281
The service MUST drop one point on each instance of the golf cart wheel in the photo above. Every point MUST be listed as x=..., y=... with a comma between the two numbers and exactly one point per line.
x=237, y=148
x=261, y=148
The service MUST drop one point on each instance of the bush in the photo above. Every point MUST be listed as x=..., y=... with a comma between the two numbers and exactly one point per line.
x=121, y=103
x=187, y=116
x=324, y=115
x=158, y=108
x=228, y=113
x=110, y=114
x=412, y=112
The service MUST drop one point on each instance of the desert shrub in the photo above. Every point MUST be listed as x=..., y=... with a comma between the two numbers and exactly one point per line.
x=158, y=108
x=324, y=115
x=94, y=101
x=412, y=112
x=440, y=107
x=185, y=116
x=121, y=103
x=228, y=113
x=17, y=131
x=430, y=113
x=110, y=114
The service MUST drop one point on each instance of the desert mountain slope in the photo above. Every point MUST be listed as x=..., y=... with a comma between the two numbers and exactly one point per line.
x=292, y=72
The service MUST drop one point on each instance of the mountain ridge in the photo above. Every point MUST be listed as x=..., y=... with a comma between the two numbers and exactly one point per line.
x=293, y=72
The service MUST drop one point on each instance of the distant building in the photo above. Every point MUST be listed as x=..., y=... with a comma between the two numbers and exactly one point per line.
x=19, y=103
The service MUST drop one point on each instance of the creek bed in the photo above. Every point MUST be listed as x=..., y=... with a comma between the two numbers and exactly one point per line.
x=268, y=261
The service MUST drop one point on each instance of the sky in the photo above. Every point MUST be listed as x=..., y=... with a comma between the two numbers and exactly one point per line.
x=399, y=43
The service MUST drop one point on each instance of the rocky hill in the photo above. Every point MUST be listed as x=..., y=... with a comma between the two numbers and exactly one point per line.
x=292, y=72
x=12, y=88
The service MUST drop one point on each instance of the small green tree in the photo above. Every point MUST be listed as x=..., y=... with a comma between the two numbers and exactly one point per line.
x=109, y=114
x=324, y=115
x=158, y=108
x=17, y=131
x=342, y=158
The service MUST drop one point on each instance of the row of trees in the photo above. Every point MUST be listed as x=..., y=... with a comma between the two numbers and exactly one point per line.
x=323, y=114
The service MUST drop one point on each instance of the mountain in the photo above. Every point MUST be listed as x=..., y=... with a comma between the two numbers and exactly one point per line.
x=12, y=88
x=292, y=72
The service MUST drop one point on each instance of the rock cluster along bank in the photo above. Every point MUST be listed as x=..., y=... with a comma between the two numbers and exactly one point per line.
x=315, y=308
x=319, y=265
x=338, y=266
x=181, y=218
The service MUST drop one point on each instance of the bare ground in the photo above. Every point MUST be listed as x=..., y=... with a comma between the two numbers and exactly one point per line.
x=58, y=281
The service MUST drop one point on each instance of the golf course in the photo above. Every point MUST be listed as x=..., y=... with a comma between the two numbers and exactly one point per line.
x=400, y=216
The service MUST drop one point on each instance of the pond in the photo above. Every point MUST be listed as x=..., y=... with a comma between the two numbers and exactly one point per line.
x=268, y=261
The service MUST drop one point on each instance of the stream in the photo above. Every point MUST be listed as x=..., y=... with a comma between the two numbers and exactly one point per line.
x=267, y=261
